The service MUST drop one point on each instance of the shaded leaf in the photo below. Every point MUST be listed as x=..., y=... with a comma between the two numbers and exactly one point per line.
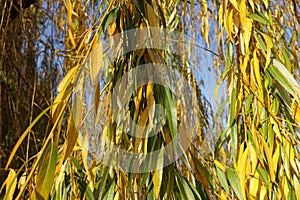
x=46, y=173
x=184, y=188
x=140, y=6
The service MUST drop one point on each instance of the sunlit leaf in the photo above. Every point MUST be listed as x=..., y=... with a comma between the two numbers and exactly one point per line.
x=11, y=183
x=258, y=18
x=234, y=182
x=283, y=76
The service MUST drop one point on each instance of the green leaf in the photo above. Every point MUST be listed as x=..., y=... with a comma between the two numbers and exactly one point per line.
x=107, y=20
x=46, y=173
x=258, y=18
x=85, y=189
x=204, y=170
x=150, y=195
x=222, y=179
x=109, y=194
x=158, y=173
x=234, y=182
x=262, y=174
x=184, y=188
x=195, y=192
x=140, y=6
x=287, y=59
x=171, y=110
x=232, y=107
x=102, y=182
x=261, y=43
x=234, y=138
x=220, y=110
x=248, y=102
x=221, y=139
x=283, y=76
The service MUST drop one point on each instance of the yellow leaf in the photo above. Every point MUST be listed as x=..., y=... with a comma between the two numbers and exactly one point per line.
x=296, y=111
x=243, y=11
x=71, y=36
x=23, y=136
x=112, y=28
x=96, y=63
x=269, y=43
x=85, y=155
x=255, y=64
x=77, y=110
x=149, y=95
x=243, y=164
x=276, y=158
x=253, y=185
x=229, y=23
x=157, y=180
x=234, y=3
x=269, y=159
x=266, y=2
x=137, y=99
x=220, y=15
x=223, y=195
x=297, y=186
x=96, y=98
x=64, y=91
x=69, y=12
x=253, y=158
x=72, y=135
x=153, y=19
x=247, y=27
x=67, y=79
x=219, y=165
x=11, y=183
x=262, y=193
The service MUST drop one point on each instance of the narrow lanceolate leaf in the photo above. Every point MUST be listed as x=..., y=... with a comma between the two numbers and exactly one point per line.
x=171, y=110
x=11, y=183
x=77, y=110
x=63, y=89
x=107, y=20
x=72, y=135
x=283, y=76
x=234, y=182
x=140, y=6
x=157, y=181
x=67, y=79
x=185, y=190
x=258, y=19
x=46, y=173
x=153, y=19
x=247, y=32
x=158, y=173
x=96, y=63
x=235, y=4
x=222, y=178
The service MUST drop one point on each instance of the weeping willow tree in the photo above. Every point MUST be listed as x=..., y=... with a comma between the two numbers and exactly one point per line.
x=253, y=153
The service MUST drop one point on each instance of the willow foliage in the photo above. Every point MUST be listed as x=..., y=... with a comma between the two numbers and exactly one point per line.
x=247, y=149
